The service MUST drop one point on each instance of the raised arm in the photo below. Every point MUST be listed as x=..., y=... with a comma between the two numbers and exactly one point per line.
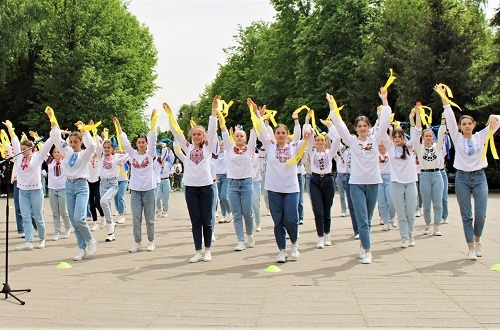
x=152, y=135
x=339, y=124
x=212, y=125
x=385, y=115
x=179, y=137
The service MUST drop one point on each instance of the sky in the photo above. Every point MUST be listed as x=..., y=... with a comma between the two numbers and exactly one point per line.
x=190, y=36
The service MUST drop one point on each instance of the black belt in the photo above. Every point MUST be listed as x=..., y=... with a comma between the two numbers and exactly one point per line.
x=323, y=175
x=431, y=170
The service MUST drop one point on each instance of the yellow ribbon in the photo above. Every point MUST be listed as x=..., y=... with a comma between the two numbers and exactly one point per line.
x=90, y=127
x=231, y=135
x=105, y=134
x=389, y=82
x=335, y=107
x=255, y=121
x=396, y=123
x=35, y=136
x=447, y=96
x=299, y=110
x=179, y=150
x=490, y=139
x=173, y=121
x=23, y=137
x=298, y=156
x=52, y=116
x=192, y=123
x=224, y=107
x=269, y=114
x=120, y=148
x=154, y=120
x=426, y=119
x=5, y=139
x=313, y=121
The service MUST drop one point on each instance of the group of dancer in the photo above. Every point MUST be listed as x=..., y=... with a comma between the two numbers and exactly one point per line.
x=376, y=164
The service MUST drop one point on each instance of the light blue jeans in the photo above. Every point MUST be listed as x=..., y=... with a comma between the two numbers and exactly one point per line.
x=120, y=196
x=473, y=184
x=285, y=214
x=108, y=190
x=32, y=201
x=222, y=184
x=404, y=197
x=256, y=202
x=240, y=193
x=342, y=179
x=57, y=198
x=143, y=201
x=364, y=198
x=301, y=179
x=445, y=194
x=163, y=195
x=431, y=190
x=264, y=191
x=385, y=204
x=77, y=198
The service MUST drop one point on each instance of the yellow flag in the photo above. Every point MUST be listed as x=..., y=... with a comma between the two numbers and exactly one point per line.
x=447, y=96
x=390, y=80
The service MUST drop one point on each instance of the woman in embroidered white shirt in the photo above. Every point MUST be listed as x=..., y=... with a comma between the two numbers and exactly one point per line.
x=470, y=179
x=198, y=180
x=29, y=183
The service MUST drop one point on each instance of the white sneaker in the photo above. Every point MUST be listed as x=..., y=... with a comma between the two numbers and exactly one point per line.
x=110, y=238
x=250, y=241
x=479, y=249
x=427, y=230
x=356, y=236
x=328, y=240
x=321, y=243
x=361, y=252
x=66, y=234
x=207, y=256
x=151, y=246
x=269, y=213
x=95, y=227
x=412, y=241
x=381, y=222
x=56, y=237
x=40, y=245
x=92, y=247
x=111, y=228
x=281, y=258
x=386, y=227
x=405, y=243
x=437, y=232
x=258, y=229
x=135, y=247
x=196, y=258
x=240, y=246
x=121, y=219
x=213, y=238
x=81, y=254
x=445, y=221
x=343, y=214
x=472, y=255
x=27, y=246
x=294, y=254
x=367, y=258
x=229, y=218
x=394, y=223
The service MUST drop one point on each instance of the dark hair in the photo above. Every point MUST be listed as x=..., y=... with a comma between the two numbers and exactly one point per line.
x=142, y=136
x=401, y=133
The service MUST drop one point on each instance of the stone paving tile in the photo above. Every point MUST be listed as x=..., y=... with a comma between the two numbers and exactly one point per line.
x=431, y=285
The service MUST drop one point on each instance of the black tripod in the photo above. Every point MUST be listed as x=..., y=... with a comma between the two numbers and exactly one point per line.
x=6, y=287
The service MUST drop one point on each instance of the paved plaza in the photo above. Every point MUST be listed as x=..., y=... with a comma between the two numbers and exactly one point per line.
x=431, y=285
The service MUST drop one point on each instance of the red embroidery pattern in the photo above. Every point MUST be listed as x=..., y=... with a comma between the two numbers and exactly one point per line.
x=107, y=163
x=25, y=162
x=196, y=155
x=144, y=163
x=283, y=154
x=320, y=161
x=383, y=159
x=240, y=151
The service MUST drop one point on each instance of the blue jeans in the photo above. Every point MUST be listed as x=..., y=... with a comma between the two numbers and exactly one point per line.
x=285, y=214
x=385, y=204
x=364, y=198
x=342, y=180
x=322, y=192
x=214, y=205
x=404, y=196
x=256, y=202
x=301, y=180
x=473, y=184
x=19, y=217
x=143, y=201
x=199, y=204
x=222, y=184
x=77, y=197
x=108, y=190
x=240, y=193
x=31, y=202
x=57, y=198
x=445, y=194
x=352, y=214
x=431, y=189
x=120, y=197
x=307, y=182
x=163, y=195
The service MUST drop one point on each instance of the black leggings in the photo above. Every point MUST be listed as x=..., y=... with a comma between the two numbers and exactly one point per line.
x=95, y=199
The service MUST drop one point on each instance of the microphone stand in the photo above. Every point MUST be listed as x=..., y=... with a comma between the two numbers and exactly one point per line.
x=6, y=287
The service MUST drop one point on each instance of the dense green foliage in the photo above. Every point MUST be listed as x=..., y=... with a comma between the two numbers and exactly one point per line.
x=86, y=59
